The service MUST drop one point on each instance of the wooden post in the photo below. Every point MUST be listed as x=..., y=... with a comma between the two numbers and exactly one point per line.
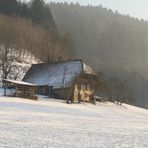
x=5, y=88
x=15, y=90
x=94, y=99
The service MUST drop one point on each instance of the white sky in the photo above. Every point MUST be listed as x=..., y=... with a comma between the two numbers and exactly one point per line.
x=136, y=8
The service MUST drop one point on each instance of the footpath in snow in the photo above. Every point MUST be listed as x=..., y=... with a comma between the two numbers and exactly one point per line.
x=55, y=124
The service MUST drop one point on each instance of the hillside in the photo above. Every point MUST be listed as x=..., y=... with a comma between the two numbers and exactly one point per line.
x=109, y=38
x=52, y=123
x=110, y=42
x=19, y=64
x=113, y=44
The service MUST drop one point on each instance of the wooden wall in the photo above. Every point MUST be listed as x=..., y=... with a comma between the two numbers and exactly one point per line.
x=83, y=93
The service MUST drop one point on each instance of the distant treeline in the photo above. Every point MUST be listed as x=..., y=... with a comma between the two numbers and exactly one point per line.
x=36, y=10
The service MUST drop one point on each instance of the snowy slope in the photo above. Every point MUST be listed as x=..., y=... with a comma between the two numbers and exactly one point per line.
x=54, y=124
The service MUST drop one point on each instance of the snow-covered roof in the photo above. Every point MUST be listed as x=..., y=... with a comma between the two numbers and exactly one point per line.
x=19, y=82
x=57, y=75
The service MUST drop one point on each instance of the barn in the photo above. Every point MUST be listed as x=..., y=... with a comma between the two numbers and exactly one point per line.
x=72, y=80
x=19, y=89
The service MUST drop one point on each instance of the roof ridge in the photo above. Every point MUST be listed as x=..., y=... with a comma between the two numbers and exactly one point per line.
x=64, y=61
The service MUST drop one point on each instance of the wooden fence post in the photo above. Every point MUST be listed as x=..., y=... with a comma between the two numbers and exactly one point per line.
x=5, y=88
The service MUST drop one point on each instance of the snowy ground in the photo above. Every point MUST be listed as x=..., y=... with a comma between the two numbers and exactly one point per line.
x=54, y=124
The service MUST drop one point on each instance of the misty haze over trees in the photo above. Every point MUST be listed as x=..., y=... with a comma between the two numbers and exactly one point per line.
x=112, y=43
x=109, y=41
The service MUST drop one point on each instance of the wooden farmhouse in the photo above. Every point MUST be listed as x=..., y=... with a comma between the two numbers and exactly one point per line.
x=71, y=80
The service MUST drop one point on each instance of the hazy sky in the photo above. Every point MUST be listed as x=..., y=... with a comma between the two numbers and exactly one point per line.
x=136, y=8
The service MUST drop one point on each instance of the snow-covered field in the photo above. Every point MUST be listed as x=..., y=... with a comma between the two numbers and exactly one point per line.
x=54, y=124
